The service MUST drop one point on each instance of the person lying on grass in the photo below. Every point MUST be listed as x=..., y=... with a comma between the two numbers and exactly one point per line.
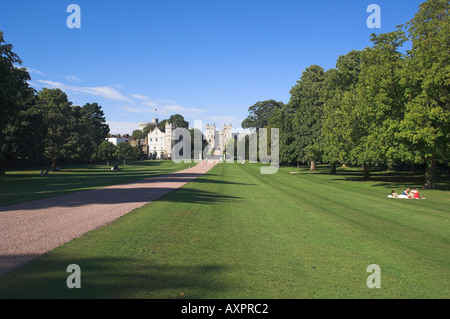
x=405, y=192
x=415, y=194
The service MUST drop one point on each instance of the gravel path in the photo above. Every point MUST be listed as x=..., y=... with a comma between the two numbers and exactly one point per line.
x=30, y=229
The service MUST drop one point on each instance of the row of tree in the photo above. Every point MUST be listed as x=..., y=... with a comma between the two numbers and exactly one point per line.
x=381, y=105
x=124, y=151
x=45, y=124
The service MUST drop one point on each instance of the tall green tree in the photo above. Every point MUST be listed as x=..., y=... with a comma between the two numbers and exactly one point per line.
x=260, y=113
x=339, y=81
x=62, y=140
x=375, y=108
x=15, y=100
x=307, y=98
x=91, y=128
x=426, y=126
x=282, y=119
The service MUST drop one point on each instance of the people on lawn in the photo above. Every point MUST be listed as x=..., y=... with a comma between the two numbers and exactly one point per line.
x=44, y=174
x=405, y=192
x=408, y=193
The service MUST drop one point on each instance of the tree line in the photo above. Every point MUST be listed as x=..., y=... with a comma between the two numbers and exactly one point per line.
x=45, y=125
x=383, y=105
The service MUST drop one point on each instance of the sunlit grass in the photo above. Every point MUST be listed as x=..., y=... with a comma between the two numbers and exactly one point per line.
x=234, y=233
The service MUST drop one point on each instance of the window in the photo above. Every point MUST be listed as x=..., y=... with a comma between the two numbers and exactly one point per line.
x=156, y=139
x=150, y=139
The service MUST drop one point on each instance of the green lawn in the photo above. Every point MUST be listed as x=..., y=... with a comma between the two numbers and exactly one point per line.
x=234, y=233
x=25, y=185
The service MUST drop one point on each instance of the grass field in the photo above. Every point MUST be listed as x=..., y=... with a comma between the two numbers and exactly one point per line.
x=25, y=185
x=234, y=233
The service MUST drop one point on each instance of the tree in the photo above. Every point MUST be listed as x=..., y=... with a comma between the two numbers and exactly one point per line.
x=125, y=152
x=336, y=142
x=282, y=119
x=203, y=142
x=426, y=125
x=62, y=140
x=95, y=127
x=106, y=151
x=15, y=100
x=179, y=121
x=375, y=107
x=307, y=99
x=260, y=113
x=137, y=134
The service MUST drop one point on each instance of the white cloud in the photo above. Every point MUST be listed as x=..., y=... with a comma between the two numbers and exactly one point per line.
x=144, y=100
x=72, y=78
x=34, y=71
x=164, y=107
x=138, y=109
x=116, y=127
x=102, y=91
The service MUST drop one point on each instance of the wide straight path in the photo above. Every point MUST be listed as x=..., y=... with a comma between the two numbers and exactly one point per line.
x=30, y=229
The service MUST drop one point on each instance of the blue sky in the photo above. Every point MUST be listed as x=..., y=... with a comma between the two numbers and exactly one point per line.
x=208, y=60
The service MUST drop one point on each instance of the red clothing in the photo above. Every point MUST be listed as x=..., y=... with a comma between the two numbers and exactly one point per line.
x=416, y=195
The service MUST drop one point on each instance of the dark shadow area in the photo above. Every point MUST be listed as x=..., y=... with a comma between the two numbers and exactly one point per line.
x=382, y=177
x=111, y=277
x=121, y=195
x=397, y=179
x=195, y=196
x=13, y=262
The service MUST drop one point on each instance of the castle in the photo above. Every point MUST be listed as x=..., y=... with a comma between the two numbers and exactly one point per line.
x=159, y=144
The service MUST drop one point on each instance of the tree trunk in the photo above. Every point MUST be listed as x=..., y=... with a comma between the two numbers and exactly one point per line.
x=366, y=171
x=2, y=166
x=333, y=169
x=313, y=166
x=430, y=174
x=391, y=166
x=54, y=164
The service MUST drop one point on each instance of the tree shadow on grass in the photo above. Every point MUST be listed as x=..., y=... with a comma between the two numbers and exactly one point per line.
x=112, y=277
x=397, y=180
x=139, y=192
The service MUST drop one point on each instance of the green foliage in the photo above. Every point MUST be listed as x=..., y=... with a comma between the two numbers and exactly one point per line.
x=178, y=120
x=16, y=99
x=127, y=152
x=106, y=151
x=203, y=142
x=307, y=99
x=260, y=114
x=426, y=125
x=62, y=140
x=379, y=105
x=138, y=134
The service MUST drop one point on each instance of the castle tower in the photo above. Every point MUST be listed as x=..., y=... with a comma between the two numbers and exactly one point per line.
x=227, y=134
x=211, y=134
x=168, y=142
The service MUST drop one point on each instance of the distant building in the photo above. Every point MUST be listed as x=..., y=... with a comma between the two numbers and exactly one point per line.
x=160, y=143
x=117, y=140
x=219, y=139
